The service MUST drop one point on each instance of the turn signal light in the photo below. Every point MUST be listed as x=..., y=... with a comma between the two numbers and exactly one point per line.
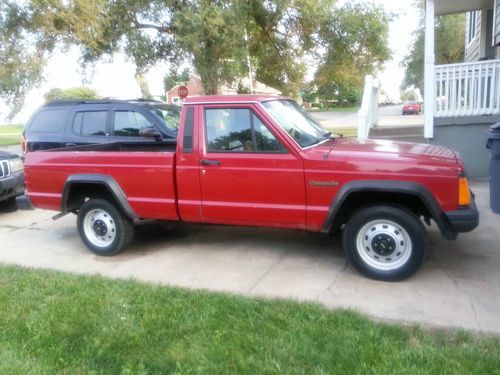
x=463, y=191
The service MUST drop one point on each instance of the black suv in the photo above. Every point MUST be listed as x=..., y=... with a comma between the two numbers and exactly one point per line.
x=11, y=178
x=72, y=123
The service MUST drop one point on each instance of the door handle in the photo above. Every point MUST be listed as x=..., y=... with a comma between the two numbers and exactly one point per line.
x=210, y=162
x=70, y=144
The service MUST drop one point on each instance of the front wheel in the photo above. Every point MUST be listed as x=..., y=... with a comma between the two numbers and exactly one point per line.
x=385, y=243
x=103, y=228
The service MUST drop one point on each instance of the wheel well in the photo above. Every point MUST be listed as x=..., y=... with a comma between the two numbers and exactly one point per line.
x=361, y=199
x=79, y=193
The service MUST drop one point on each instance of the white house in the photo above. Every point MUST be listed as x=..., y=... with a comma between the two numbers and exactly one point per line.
x=462, y=100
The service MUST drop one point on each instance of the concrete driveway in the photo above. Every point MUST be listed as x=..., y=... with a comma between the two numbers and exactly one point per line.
x=458, y=287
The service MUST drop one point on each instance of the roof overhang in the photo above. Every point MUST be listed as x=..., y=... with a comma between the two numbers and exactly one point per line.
x=443, y=7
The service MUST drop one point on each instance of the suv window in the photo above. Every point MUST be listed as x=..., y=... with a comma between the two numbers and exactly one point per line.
x=49, y=121
x=238, y=130
x=90, y=123
x=170, y=115
x=130, y=123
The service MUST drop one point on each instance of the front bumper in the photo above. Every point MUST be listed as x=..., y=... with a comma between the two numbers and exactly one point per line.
x=463, y=220
x=12, y=186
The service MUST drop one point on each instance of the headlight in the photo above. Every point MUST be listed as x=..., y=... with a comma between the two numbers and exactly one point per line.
x=16, y=165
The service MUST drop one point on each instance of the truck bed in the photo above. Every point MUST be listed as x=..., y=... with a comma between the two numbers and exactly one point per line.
x=145, y=173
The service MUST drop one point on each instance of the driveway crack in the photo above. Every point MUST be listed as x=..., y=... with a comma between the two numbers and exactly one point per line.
x=469, y=297
x=273, y=265
x=334, y=282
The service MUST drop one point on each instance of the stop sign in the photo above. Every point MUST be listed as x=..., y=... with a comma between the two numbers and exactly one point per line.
x=182, y=91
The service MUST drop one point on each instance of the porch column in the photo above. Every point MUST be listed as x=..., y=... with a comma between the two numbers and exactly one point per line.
x=429, y=79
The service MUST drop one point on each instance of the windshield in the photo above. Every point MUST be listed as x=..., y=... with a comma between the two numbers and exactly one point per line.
x=295, y=121
x=171, y=115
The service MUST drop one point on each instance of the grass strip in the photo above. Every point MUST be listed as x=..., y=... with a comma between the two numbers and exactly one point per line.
x=346, y=132
x=10, y=134
x=53, y=323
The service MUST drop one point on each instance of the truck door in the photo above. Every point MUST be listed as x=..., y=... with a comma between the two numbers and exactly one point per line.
x=247, y=176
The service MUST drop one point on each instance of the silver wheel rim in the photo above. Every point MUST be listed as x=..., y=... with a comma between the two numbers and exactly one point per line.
x=99, y=228
x=384, y=245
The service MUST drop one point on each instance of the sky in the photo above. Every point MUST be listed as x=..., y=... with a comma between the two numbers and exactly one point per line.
x=116, y=78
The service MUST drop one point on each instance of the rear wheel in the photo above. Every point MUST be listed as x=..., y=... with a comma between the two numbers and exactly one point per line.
x=103, y=228
x=385, y=243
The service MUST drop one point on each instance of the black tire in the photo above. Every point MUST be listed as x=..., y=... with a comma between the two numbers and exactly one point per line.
x=103, y=228
x=8, y=205
x=385, y=243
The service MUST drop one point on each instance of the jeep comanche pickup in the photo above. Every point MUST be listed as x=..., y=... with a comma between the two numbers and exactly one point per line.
x=261, y=161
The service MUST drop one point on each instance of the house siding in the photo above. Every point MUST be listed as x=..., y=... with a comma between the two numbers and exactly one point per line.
x=473, y=49
x=497, y=25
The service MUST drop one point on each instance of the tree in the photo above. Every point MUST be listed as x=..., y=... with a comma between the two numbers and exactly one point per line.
x=71, y=93
x=449, y=46
x=211, y=35
x=354, y=44
x=174, y=78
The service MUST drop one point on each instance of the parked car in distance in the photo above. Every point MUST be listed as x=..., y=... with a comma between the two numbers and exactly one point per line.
x=72, y=123
x=262, y=161
x=11, y=178
x=412, y=108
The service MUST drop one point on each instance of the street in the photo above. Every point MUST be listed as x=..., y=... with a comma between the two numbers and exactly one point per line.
x=388, y=116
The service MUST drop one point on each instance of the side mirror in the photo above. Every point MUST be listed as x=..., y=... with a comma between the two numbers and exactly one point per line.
x=150, y=132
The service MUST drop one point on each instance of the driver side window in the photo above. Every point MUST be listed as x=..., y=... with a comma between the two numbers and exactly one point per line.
x=237, y=130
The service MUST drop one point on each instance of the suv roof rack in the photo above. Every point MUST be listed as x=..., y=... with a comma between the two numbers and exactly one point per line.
x=101, y=101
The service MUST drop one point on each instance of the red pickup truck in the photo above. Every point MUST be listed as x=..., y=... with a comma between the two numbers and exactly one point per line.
x=261, y=161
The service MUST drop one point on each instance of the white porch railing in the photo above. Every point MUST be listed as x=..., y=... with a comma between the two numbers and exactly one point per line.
x=468, y=89
x=368, y=113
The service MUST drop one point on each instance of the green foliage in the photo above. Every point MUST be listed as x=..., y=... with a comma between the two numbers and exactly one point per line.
x=174, y=78
x=355, y=39
x=449, y=46
x=71, y=93
x=409, y=95
x=54, y=323
x=343, y=93
x=348, y=41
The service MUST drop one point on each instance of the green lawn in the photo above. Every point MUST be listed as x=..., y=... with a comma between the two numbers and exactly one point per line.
x=10, y=134
x=335, y=109
x=342, y=109
x=59, y=323
x=346, y=132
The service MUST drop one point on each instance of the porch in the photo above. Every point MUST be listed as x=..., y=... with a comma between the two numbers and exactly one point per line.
x=467, y=89
x=460, y=100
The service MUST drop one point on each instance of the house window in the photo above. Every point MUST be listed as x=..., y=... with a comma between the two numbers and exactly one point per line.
x=472, y=25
